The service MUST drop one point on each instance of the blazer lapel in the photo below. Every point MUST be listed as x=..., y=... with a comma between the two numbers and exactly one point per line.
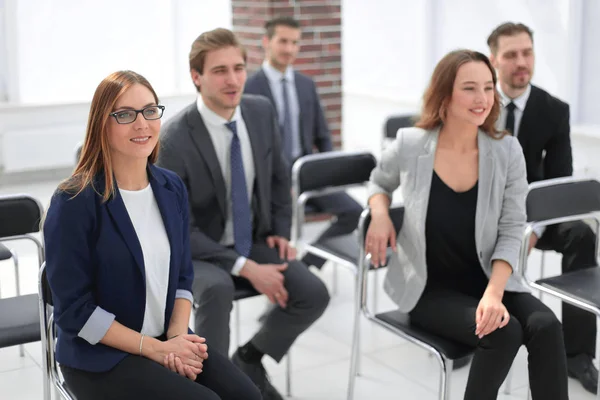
x=304, y=96
x=266, y=87
x=484, y=186
x=255, y=131
x=168, y=204
x=118, y=212
x=201, y=138
x=530, y=119
x=423, y=180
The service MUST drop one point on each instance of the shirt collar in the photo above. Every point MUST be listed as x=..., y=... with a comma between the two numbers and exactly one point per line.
x=274, y=75
x=212, y=118
x=520, y=101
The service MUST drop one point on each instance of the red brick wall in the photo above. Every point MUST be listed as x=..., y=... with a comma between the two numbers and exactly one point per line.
x=320, y=49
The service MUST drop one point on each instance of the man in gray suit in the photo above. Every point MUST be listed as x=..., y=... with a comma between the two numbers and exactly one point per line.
x=226, y=148
x=301, y=119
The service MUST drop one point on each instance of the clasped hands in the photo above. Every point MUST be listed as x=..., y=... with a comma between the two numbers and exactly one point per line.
x=184, y=354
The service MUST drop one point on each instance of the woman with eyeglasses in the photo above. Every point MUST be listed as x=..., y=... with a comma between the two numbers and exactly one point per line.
x=119, y=266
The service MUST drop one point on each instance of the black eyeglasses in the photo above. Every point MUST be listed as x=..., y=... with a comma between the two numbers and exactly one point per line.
x=129, y=116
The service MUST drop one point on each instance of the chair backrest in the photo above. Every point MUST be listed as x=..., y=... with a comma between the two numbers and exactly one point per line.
x=392, y=124
x=396, y=215
x=44, y=289
x=331, y=169
x=19, y=215
x=562, y=197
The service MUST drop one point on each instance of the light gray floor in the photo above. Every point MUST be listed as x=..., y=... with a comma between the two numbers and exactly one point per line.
x=392, y=368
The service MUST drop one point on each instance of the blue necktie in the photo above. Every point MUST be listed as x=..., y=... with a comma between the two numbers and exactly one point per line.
x=242, y=217
x=286, y=129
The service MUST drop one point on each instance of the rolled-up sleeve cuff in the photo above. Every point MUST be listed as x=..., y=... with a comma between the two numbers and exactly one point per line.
x=237, y=267
x=184, y=294
x=373, y=189
x=96, y=326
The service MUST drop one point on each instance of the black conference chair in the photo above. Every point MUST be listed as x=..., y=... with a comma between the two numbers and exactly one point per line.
x=392, y=124
x=556, y=201
x=20, y=217
x=444, y=350
x=52, y=377
x=322, y=174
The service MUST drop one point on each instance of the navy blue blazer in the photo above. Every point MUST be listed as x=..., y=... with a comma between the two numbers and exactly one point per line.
x=95, y=267
x=313, y=124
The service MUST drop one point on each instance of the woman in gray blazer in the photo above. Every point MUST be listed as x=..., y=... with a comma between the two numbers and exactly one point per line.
x=464, y=187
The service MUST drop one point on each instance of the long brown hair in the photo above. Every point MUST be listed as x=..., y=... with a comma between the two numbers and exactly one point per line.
x=438, y=94
x=95, y=154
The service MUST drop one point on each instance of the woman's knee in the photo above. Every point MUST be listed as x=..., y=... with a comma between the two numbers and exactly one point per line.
x=509, y=337
x=544, y=325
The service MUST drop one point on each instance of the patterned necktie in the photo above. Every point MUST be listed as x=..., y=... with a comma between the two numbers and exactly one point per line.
x=510, y=117
x=286, y=128
x=242, y=217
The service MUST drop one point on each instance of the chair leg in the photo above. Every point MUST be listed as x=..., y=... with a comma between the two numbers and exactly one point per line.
x=355, y=352
x=288, y=375
x=375, y=290
x=238, y=335
x=334, y=283
x=445, y=375
x=508, y=380
x=18, y=287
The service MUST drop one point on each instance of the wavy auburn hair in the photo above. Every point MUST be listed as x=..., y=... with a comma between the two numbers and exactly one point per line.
x=439, y=93
x=95, y=154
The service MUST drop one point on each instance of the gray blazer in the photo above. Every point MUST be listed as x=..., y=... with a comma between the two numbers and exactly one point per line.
x=187, y=149
x=500, y=217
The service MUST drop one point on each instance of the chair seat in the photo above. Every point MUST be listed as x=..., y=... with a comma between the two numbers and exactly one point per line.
x=449, y=348
x=581, y=285
x=243, y=289
x=19, y=320
x=344, y=247
x=5, y=253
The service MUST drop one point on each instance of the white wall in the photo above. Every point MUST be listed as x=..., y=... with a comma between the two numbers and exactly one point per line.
x=65, y=48
x=59, y=50
x=589, y=103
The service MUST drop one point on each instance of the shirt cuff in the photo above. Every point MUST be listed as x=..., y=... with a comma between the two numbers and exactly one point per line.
x=237, y=267
x=96, y=326
x=184, y=294
x=539, y=231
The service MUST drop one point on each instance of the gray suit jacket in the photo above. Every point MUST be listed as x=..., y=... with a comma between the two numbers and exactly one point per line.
x=187, y=149
x=313, y=124
x=500, y=217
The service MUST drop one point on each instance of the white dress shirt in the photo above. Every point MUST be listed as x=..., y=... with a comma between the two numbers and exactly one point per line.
x=274, y=76
x=221, y=138
x=520, y=103
x=150, y=229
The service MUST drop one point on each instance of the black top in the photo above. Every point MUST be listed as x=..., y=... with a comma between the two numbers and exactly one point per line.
x=451, y=253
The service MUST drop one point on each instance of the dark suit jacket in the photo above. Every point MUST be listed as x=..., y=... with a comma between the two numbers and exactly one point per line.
x=94, y=262
x=187, y=149
x=313, y=125
x=544, y=134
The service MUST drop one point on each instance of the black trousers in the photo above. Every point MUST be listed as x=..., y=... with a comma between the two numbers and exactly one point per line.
x=347, y=213
x=576, y=242
x=140, y=378
x=451, y=313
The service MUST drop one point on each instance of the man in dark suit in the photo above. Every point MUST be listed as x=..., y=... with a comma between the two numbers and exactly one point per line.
x=226, y=148
x=300, y=117
x=541, y=123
